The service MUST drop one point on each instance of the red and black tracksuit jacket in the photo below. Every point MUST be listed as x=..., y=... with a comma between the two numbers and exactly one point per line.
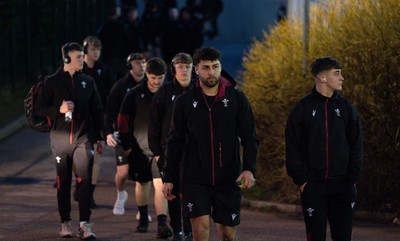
x=210, y=136
x=80, y=89
x=161, y=113
x=323, y=140
x=133, y=119
x=114, y=101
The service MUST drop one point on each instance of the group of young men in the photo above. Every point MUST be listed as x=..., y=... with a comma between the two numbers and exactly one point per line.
x=185, y=138
x=136, y=116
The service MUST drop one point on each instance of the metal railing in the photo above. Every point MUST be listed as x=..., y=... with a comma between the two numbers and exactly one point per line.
x=33, y=31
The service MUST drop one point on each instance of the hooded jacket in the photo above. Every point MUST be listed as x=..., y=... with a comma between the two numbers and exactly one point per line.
x=323, y=140
x=209, y=136
x=80, y=89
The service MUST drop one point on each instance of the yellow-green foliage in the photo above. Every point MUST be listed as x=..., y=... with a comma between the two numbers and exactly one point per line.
x=364, y=35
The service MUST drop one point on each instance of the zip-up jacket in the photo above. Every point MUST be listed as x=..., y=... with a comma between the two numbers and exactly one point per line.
x=161, y=114
x=133, y=119
x=210, y=136
x=323, y=140
x=80, y=89
x=114, y=101
x=103, y=77
x=104, y=80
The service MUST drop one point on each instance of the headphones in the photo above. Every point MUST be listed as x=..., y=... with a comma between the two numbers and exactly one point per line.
x=128, y=61
x=86, y=42
x=65, y=50
x=172, y=69
x=85, y=45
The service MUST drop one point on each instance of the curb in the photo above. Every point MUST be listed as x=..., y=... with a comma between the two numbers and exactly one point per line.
x=266, y=206
x=12, y=127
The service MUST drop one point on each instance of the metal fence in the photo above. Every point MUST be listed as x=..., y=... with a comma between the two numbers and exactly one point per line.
x=33, y=31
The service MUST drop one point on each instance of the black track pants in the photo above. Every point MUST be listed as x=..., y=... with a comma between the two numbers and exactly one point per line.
x=80, y=154
x=322, y=203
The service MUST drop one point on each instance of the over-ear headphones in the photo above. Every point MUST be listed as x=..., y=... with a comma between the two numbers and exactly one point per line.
x=65, y=50
x=91, y=41
x=85, y=45
x=128, y=60
x=172, y=69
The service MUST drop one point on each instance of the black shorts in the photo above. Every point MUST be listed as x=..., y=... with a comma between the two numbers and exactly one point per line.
x=222, y=202
x=139, y=166
x=120, y=158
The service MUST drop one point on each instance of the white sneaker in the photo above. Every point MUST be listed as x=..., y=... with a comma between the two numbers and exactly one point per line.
x=66, y=231
x=138, y=217
x=119, y=206
x=85, y=231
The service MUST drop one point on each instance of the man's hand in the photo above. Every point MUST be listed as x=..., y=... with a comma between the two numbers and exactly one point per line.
x=247, y=178
x=111, y=141
x=167, y=190
x=67, y=106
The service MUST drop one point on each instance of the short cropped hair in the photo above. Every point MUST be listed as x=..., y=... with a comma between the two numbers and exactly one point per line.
x=182, y=58
x=92, y=41
x=156, y=66
x=206, y=53
x=69, y=47
x=135, y=56
x=324, y=63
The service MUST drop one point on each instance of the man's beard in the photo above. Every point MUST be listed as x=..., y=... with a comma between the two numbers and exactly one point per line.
x=208, y=83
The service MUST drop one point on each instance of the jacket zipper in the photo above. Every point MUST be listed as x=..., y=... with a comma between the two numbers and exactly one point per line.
x=220, y=154
x=211, y=139
x=326, y=141
x=71, y=131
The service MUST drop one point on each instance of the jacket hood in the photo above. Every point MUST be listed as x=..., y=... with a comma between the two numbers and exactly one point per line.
x=228, y=77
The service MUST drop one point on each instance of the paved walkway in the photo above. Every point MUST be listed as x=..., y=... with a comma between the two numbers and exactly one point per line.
x=28, y=208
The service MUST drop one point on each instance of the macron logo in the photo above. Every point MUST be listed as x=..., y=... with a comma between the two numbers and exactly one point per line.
x=234, y=215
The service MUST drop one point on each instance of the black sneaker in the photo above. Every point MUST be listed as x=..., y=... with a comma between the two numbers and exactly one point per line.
x=163, y=231
x=142, y=227
x=177, y=237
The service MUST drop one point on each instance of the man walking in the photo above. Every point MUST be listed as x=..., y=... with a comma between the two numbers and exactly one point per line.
x=209, y=123
x=159, y=123
x=71, y=101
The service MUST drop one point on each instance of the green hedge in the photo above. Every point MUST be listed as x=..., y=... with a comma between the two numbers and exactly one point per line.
x=364, y=35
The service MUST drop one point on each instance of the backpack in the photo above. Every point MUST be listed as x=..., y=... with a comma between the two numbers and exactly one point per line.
x=34, y=121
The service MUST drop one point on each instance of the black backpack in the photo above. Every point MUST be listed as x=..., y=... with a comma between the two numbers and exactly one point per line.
x=34, y=121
